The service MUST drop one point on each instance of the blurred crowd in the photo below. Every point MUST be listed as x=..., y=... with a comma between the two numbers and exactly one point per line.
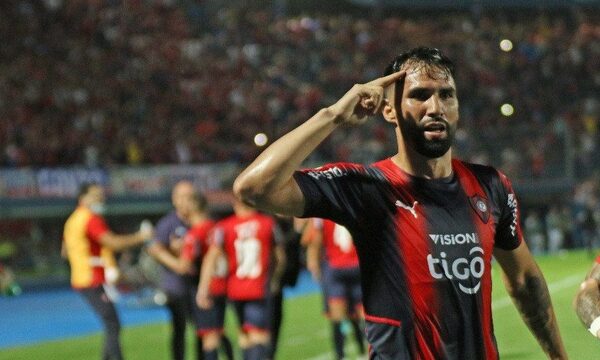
x=566, y=224
x=133, y=82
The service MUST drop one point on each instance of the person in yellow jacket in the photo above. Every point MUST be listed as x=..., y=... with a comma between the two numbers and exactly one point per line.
x=89, y=244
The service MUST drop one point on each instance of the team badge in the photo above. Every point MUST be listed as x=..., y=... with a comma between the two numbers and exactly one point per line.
x=480, y=205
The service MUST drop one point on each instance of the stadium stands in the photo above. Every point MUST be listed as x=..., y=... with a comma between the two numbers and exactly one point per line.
x=101, y=83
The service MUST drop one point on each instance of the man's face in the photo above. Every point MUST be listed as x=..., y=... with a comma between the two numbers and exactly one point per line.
x=182, y=193
x=94, y=199
x=428, y=110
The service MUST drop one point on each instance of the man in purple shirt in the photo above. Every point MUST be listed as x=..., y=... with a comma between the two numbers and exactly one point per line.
x=165, y=247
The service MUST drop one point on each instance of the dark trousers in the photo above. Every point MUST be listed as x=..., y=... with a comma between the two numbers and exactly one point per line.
x=276, y=308
x=105, y=309
x=180, y=308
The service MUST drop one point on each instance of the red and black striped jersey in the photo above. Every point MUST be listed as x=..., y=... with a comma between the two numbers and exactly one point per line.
x=425, y=249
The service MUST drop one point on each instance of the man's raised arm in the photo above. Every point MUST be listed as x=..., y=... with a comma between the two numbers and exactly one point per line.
x=268, y=182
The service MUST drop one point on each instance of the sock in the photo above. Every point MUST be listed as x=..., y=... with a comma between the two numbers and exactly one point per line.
x=338, y=339
x=211, y=354
x=359, y=336
x=226, y=347
x=257, y=352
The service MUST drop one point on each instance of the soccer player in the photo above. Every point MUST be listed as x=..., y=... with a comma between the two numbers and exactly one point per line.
x=340, y=278
x=425, y=225
x=88, y=243
x=165, y=248
x=209, y=322
x=292, y=230
x=587, y=300
x=252, y=244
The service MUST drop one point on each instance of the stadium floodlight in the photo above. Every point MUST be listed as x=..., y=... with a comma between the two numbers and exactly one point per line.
x=506, y=45
x=507, y=110
x=260, y=139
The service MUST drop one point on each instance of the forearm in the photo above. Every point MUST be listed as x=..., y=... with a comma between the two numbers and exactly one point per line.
x=273, y=168
x=207, y=270
x=313, y=258
x=280, y=261
x=121, y=242
x=164, y=257
x=587, y=302
x=532, y=299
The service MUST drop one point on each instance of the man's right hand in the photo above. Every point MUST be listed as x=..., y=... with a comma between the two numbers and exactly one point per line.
x=203, y=300
x=364, y=100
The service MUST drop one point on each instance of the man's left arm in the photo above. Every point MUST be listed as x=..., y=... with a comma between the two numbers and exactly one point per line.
x=527, y=287
x=587, y=301
x=279, y=260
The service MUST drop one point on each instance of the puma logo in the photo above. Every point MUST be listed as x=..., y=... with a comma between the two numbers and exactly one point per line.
x=412, y=208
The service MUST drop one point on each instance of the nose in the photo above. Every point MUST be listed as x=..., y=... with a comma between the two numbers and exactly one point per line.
x=434, y=106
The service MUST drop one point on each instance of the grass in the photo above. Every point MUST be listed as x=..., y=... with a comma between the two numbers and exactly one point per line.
x=305, y=333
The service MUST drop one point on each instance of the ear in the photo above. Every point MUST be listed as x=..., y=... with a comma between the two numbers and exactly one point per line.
x=389, y=114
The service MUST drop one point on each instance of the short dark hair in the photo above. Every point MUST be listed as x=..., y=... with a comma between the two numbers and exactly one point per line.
x=428, y=57
x=85, y=188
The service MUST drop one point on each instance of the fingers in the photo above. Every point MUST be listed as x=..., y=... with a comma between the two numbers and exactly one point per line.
x=387, y=80
x=373, y=99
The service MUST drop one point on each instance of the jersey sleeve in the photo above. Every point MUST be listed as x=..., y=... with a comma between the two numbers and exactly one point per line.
x=217, y=236
x=96, y=227
x=332, y=191
x=508, y=233
x=598, y=260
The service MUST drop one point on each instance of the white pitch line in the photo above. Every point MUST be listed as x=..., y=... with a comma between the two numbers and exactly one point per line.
x=496, y=305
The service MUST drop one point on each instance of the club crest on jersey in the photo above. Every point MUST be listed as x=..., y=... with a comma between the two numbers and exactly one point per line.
x=481, y=207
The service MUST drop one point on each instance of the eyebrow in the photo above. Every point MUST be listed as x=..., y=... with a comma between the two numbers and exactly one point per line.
x=423, y=89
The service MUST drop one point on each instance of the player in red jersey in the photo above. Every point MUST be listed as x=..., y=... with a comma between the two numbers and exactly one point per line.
x=251, y=242
x=208, y=322
x=339, y=274
x=425, y=225
x=587, y=300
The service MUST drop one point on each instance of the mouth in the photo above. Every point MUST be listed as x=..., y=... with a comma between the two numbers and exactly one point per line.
x=435, y=130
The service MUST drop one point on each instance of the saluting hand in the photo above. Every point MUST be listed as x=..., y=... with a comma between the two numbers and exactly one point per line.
x=364, y=100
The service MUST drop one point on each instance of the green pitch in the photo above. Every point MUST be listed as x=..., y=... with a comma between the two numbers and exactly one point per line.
x=305, y=333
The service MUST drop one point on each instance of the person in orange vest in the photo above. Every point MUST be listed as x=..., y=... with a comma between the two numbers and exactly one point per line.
x=88, y=241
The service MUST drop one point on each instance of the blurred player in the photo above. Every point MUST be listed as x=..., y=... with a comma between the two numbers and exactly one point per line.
x=339, y=274
x=165, y=248
x=425, y=225
x=209, y=322
x=292, y=230
x=88, y=243
x=252, y=244
x=587, y=300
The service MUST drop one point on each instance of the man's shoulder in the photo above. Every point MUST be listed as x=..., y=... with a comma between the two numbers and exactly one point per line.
x=169, y=220
x=483, y=172
x=338, y=170
x=80, y=214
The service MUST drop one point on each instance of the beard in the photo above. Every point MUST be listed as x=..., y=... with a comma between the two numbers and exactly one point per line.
x=414, y=134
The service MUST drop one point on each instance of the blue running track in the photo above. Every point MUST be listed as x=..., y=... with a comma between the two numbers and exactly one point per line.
x=58, y=314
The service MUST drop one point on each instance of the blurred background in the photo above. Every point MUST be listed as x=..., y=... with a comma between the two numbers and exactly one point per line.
x=138, y=94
